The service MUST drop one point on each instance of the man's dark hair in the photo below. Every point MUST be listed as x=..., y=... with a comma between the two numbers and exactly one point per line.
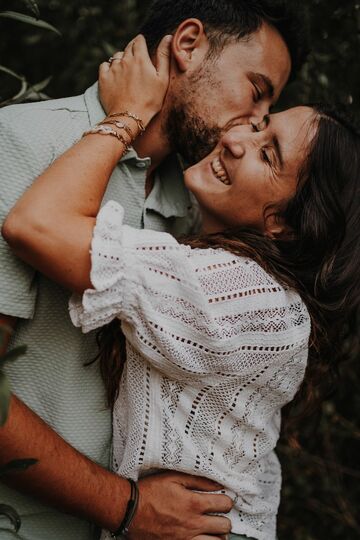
x=228, y=20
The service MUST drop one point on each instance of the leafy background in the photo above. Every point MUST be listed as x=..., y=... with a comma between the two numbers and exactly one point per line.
x=321, y=488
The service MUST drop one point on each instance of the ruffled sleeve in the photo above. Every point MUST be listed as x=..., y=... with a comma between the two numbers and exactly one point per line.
x=188, y=310
x=118, y=254
x=99, y=306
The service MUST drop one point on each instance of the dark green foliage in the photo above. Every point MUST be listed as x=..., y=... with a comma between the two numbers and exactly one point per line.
x=91, y=30
x=321, y=492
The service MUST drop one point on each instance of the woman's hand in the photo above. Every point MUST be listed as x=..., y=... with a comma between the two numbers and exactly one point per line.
x=132, y=83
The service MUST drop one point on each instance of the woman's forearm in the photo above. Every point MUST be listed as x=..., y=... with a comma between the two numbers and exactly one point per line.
x=51, y=225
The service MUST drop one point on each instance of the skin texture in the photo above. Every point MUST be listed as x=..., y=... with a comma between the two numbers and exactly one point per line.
x=213, y=93
x=257, y=178
x=209, y=94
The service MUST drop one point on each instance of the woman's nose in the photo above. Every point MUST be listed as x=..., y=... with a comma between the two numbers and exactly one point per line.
x=234, y=140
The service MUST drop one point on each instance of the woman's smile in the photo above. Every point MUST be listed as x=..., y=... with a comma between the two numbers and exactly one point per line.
x=250, y=171
x=219, y=171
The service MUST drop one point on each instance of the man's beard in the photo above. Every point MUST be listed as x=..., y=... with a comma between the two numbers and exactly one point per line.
x=189, y=135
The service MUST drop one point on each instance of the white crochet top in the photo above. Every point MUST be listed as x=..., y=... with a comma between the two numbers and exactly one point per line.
x=215, y=348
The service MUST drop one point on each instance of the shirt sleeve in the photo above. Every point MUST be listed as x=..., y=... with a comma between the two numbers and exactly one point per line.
x=196, y=308
x=19, y=167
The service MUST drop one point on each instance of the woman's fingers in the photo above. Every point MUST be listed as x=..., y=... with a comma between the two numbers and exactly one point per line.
x=131, y=70
x=129, y=50
x=163, y=55
x=104, y=69
x=117, y=57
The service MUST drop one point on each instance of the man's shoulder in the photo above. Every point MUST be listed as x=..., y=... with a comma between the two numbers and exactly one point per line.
x=41, y=109
x=46, y=128
x=43, y=115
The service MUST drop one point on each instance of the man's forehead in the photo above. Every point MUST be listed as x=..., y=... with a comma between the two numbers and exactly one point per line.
x=263, y=52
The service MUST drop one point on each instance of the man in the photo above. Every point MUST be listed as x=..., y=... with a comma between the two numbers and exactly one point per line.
x=229, y=63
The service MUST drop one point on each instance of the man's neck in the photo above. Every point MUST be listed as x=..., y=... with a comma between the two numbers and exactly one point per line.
x=153, y=144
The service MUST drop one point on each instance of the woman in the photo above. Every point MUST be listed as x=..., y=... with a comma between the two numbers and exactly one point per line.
x=218, y=326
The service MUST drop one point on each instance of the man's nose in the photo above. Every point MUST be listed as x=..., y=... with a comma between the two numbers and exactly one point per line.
x=260, y=124
x=259, y=114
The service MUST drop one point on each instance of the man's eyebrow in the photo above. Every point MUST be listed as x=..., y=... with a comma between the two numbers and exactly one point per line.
x=278, y=152
x=264, y=79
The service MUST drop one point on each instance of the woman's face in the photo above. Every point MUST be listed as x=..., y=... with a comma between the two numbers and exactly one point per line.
x=250, y=170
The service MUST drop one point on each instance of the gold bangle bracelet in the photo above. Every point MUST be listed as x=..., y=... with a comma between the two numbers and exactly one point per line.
x=101, y=130
x=120, y=125
x=128, y=114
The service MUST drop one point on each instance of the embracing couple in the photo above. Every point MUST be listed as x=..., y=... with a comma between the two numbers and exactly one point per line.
x=214, y=287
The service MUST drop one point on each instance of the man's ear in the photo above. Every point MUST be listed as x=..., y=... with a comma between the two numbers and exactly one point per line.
x=189, y=44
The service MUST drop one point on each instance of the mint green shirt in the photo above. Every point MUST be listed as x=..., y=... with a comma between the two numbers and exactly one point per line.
x=52, y=379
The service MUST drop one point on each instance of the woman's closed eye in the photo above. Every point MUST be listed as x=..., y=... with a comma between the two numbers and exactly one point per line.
x=258, y=94
x=265, y=157
x=264, y=152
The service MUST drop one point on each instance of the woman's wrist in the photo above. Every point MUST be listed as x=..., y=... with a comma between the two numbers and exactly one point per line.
x=125, y=126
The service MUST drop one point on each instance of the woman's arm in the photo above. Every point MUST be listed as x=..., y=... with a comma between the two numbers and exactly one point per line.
x=51, y=225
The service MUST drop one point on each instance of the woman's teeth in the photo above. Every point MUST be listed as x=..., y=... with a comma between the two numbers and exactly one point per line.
x=219, y=171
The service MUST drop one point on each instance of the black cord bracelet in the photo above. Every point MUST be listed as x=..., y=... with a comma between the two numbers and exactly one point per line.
x=130, y=511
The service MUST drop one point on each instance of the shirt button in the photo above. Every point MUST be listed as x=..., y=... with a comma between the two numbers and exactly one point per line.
x=141, y=165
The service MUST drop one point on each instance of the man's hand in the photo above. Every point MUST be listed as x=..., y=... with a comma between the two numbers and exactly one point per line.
x=169, y=508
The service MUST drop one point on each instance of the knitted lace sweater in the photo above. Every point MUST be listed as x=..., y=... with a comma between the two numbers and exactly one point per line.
x=215, y=348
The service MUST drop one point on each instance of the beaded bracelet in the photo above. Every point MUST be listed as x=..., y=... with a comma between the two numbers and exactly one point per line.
x=130, y=511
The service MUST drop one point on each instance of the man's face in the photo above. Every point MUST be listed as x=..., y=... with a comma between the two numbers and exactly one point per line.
x=236, y=87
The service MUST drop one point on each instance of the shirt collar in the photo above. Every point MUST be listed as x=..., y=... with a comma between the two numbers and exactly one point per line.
x=169, y=195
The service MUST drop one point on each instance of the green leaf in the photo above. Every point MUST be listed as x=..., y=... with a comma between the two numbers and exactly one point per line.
x=34, y=92
x=108, y=48
x=29, y=20
x=12, y=73
x=17, y=465
x=4, y=397
x=32, y=5
x=38, y=87
x=13, y=354
x=12, y=515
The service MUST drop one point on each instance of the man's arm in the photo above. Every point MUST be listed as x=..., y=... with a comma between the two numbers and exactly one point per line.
x=66, y=479
x=69, y=481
